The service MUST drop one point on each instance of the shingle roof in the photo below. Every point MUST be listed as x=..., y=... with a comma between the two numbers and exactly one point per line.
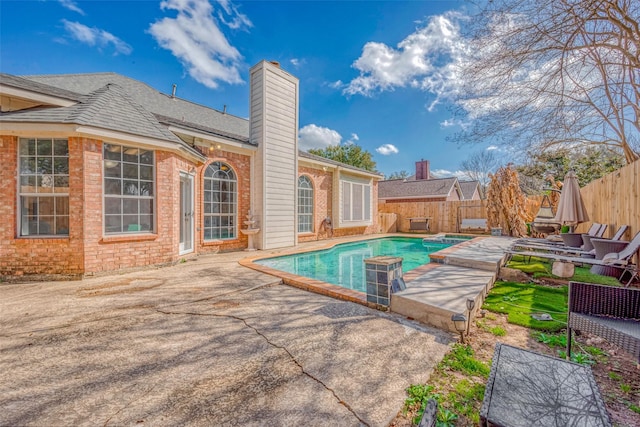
x=424, y=188
x=333, y=162
x=175, y=110
x=107, y=108
x=468, y=188
x=34, y=86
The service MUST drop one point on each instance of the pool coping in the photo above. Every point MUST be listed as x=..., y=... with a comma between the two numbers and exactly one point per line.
x=338, y=292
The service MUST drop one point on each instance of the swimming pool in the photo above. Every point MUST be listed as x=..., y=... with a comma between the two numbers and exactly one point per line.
x=343, y=265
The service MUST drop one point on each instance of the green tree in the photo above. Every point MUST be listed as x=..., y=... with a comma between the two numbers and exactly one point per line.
x=350, y=154
x=589, y=164
x=398, y=175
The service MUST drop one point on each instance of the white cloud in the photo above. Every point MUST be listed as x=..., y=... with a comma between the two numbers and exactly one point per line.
x=425, y=60
x=492, y=147
x=297, y=62
x=71, y=5
x=444, y=173
x=195, y=38
x=387, y=149
x=312, y=136
x=238, y=20
x=96, y=37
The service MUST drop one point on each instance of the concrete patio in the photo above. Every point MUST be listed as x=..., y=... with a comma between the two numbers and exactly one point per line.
x=205, y=342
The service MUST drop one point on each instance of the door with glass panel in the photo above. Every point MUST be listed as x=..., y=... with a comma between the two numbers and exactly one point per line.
x=186, y=213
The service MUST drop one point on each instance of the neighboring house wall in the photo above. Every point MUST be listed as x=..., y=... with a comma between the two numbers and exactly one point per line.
x=421, y=200
x=453, y=196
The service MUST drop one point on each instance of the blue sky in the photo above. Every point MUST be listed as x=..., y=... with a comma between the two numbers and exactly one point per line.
x=374, y=73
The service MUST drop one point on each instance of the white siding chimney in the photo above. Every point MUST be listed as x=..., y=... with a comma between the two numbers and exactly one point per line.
x=273, y=121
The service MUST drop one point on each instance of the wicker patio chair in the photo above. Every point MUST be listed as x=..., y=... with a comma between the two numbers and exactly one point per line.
x=606, y=311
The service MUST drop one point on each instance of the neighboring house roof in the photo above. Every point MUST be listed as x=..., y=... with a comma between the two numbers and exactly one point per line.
x=468, y=188
x=172, y=110
x=417, y=189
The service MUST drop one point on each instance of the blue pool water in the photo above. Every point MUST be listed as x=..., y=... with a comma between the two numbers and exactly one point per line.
x=343, y=265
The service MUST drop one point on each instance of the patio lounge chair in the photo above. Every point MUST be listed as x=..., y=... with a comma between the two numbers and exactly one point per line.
x=596, y=230
x=559, y=249
x=619, y=260
x=606, y=311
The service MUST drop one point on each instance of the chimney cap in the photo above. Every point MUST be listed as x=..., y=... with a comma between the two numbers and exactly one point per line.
x=276, y=63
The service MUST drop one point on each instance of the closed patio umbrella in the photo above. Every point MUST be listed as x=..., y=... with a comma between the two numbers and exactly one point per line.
x=571, y=210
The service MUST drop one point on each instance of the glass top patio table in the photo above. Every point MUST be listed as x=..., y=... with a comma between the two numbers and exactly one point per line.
x=531, y=389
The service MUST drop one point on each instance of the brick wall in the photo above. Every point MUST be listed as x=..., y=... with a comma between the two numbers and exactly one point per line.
x=86, y=250
x=371, y=229
x=323, y=196
x=21, y=256
x=241, y=165
x=117, y=252
x=322, y=193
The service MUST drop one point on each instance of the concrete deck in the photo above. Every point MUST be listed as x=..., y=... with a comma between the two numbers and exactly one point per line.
x=205, y=342
x=438, y=290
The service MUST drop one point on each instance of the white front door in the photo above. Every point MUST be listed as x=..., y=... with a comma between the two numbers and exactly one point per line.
x=186, y=213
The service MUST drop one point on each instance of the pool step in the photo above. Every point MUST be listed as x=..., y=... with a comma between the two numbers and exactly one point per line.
x=482, y=253
x=442, y=291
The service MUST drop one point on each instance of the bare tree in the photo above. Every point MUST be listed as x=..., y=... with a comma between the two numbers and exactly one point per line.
x=479, y=165
x=547, y=74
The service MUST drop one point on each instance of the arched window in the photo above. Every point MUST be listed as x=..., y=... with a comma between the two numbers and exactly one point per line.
x=220, y=202
x=305, y=205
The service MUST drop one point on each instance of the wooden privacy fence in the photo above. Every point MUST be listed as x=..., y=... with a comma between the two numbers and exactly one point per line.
x=445, y=217
x=614, y=200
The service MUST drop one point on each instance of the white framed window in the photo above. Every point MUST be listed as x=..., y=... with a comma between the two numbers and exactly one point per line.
x=129, y=189
x=43, y=187
x=220, y=202
x=305, y=205
x=356, y=202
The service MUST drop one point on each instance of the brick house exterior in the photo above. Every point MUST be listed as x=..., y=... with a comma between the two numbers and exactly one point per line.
x=102, y=173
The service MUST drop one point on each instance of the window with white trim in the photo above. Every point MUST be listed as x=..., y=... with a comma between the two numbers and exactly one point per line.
x=129, y=189
x=356, y=202
x=43, y=187
x=305, y=205
x=220, y=202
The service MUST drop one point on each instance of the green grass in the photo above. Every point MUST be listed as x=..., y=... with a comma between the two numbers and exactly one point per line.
x=550, y=339
x=518, y=301
x=461, y=359
x=615, y=376
x=541, y=268
x=466, y=396
x=498, y=331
